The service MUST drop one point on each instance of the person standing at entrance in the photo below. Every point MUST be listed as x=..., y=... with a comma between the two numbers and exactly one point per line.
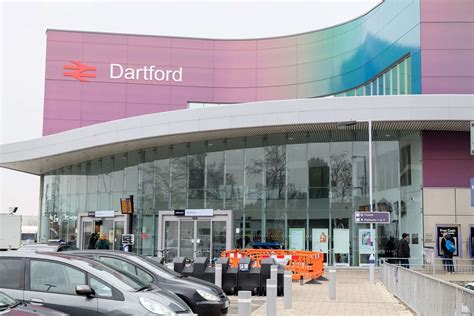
x=92, y=241
x=404, y=251
x=448, y=245
x=102, y=243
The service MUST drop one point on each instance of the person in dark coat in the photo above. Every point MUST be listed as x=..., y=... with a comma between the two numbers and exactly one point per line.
x=448, y=255
x=404, y=251
x=102, y=243
x=92, y=241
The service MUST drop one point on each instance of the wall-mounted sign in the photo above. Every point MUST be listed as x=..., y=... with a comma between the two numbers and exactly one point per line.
x=297, y=238
x=341, y=240
x=128, y=239
x=320, y=239
x=126, y=205
x=366, y=241
x=104, y=213
x=454, y=231
x=372, y=217
x=179, y=212
x=199, y=212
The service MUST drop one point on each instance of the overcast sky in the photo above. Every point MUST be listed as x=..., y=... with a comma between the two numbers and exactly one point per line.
x=23, y=49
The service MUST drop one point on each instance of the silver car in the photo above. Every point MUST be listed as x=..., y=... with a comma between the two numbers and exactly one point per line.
x=80, y=286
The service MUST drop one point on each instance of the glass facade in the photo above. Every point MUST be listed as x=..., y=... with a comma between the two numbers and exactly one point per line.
x=395, y=80
x=275, y=185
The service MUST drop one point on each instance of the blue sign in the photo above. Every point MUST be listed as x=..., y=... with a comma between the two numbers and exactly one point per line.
x=472, y=192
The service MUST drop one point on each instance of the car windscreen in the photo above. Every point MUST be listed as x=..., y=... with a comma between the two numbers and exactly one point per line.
x=129, y=281
x=6, y=300
x=160, y=269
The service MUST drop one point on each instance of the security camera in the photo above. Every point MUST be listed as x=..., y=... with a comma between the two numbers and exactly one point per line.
x=13, y=209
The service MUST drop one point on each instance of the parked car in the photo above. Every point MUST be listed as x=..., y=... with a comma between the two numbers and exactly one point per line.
x=204, y=298
x=469, y=286
x=11, y=307
x=81, y=286
x=51, y=246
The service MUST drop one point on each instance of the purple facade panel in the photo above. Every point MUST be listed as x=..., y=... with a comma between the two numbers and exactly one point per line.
x=101, y=111
x=447, y=46
x=446, y=159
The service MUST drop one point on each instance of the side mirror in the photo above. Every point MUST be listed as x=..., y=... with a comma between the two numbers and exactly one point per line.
x=84, y=290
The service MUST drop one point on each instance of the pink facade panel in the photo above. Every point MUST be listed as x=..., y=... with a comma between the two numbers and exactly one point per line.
x=64, y=50
x=233, y=95
x=441, y=63
x=446, y=11
x=102, y=111
x=235, y=45
x=276, y=76
x=74, y=37
x=135, y=109
x=277, y=93
x=235, y=59
x=107, y=92
x=62, y=90
x=151, y=41
x=447, y=161
x=62, y=109
x=105, y=39
x=276, y=57
x=181, y=95
x=97, y=53
x=235, y=77
x=192, y=43
x=144, y=93
x=456, y=85
x=192, y=58
x=149, y=55
x=448, y=35
x=53, y=126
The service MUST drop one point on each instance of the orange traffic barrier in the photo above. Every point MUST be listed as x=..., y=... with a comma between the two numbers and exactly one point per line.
x=303, y=264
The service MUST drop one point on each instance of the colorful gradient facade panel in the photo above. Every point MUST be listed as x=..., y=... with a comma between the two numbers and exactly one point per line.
x=313, y=64
x=447, y=38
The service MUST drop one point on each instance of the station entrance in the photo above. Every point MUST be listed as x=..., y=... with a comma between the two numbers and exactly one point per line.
x=197, y=233
x=110, y=223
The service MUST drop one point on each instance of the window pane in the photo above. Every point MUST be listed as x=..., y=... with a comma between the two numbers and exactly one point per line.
x=386, y=77
x=100, y=288
x=402, y=78
x=395, y=81
x=118, y=264
x=10, y=275
x=63, y=280
x=380, y=85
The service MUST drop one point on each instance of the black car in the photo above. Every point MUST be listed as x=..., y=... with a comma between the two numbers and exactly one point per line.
x=204, y=298
x=80, y=286
x=10, y=306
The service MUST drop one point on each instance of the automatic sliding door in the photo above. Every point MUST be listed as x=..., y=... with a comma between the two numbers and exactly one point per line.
x=186, y=239
x=171, y=239
x=86, y=233
x=203, y=239
x=219, y=234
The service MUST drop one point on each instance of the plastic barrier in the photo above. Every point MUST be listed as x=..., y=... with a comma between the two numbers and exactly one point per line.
x=248, y=277
x=302, y=264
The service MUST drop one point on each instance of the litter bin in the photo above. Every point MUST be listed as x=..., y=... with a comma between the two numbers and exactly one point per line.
x=248, y=277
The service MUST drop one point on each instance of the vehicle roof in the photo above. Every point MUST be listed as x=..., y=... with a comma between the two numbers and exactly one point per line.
x=92, y=266
x=110, y=252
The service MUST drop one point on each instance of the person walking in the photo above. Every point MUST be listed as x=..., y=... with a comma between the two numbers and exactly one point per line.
x=102, y=243
x=448, y=245
x=92, y=241
x=404, y=251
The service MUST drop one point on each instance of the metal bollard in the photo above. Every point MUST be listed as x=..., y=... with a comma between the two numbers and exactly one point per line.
x=271, y=297
x=372, y=269
x=244, y=301
x=218, y=279
x=273, y=272
x=332, y=284
x=288, y=283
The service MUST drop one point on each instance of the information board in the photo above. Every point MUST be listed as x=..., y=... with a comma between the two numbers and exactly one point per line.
x=297, y=237
x=341, y=240
x=366, y=241
x=320, y=239
x=453, y=230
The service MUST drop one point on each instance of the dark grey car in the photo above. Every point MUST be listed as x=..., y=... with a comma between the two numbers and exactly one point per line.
x=80, y=286
x=204, y=298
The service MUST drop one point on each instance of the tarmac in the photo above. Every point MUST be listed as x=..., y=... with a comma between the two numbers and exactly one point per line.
x=354, y=296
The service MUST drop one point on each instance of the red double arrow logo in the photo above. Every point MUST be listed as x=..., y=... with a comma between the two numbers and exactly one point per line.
x=79, y=71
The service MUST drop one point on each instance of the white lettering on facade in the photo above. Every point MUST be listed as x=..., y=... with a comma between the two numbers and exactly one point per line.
x=147, y=73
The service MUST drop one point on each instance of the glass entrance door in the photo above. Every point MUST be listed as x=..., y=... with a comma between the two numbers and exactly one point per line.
x=113, y=228
x=195, y=237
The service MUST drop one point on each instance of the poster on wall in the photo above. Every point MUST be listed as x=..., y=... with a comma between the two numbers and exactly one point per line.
x=453, y=230
x=366, y=241
x=471, y=243
x=341, y=240
x=297, y=237
x=320, y=239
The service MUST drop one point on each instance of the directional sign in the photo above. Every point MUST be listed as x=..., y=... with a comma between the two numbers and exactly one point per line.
x=372, y=217
x=128, y=239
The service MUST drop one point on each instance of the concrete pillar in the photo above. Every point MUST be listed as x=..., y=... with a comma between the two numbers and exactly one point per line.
x=288, y=284
x=372, y=269
x=271, y=297
x=274, y=272
x=332, y=284
x=244, y=302
x=218, y=278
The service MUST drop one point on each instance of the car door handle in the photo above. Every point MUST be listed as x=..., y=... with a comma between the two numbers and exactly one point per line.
x=36, y=301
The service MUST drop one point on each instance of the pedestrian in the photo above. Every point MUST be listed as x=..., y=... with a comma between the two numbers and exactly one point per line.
x=92, y=241
x=404, y=251
x=448, y=245
x=102, y=243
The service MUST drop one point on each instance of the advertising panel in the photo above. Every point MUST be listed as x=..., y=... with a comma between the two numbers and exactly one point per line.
x=366, y=241
x=341, y=240
x=454, y=231
x=320, y=239
x=297, y=237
